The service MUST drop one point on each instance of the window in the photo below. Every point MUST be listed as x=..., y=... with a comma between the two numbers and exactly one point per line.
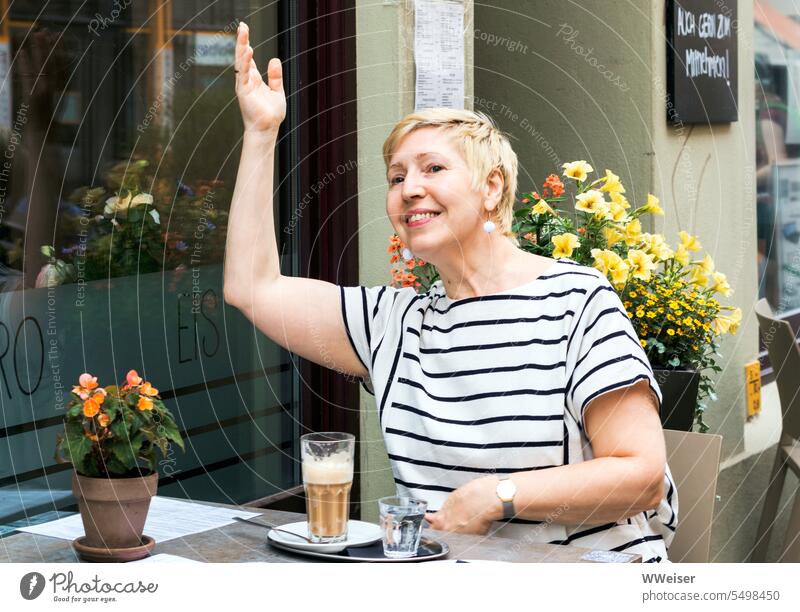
x=777, y=54
x=121, y=138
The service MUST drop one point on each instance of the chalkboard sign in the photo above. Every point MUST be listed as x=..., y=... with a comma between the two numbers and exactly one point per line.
x=701, y=61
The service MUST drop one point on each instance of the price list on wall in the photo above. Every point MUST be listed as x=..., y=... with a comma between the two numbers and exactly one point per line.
x=439, y=53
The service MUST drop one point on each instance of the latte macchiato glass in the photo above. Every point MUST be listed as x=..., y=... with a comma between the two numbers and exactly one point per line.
x=327, y=478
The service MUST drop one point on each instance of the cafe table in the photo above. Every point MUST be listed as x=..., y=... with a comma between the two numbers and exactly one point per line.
x=239, y=542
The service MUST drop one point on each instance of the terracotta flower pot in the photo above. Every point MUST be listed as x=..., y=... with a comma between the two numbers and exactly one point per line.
x=114, y=509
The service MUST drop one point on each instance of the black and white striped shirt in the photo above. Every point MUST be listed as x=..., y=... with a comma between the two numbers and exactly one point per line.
x=499, y=384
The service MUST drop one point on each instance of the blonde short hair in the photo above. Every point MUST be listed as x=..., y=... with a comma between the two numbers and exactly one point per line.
x=482, y=145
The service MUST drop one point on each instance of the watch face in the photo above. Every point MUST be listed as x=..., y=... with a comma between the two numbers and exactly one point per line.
x=506, y=490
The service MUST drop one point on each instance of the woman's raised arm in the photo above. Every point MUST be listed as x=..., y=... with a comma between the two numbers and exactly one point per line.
x=302, y=315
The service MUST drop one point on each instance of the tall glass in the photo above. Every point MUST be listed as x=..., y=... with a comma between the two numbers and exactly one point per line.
x=327, y=478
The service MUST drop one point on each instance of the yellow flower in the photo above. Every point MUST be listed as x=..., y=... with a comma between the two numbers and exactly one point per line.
x=543, y=208
x=565, y=244
x=652, y=206
x=707, y=264
x=720, y=284
x=682, y=255
x=616, y=211
x=612, y=235
x=611, y=183
x=633, y=233
x=616, y=196
x=641, y=264
x=577, y=170
x=591, y=201
x=671, y=332
x=698, y=278
x=657, y=246
x=643, y=343
x=611, y=264
x=691, y=243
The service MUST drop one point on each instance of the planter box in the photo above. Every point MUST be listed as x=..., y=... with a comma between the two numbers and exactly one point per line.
x=679, y=390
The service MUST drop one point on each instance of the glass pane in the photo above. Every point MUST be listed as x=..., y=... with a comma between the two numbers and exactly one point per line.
x=777, y=32
x=121, y=134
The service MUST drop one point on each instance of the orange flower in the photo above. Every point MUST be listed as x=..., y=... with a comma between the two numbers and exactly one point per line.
x=92, y=405
x=420, y=262
x=147, y=389
x=581, y=230
x=133, y=378
x=525, y=200
x=103, y=419
x=554, y=183
x=80, y=392
x=91, y=436
x=395, y=258
x=87, y=381
x=145, y=403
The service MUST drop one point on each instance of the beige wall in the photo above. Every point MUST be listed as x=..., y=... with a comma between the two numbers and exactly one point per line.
x=385, y=81
x=591, y=82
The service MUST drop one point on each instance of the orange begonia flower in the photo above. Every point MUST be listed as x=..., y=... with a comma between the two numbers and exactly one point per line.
x=87, y=381
x=133, y=378
x=103, y=419
x=145, y=403
x=92, y=406
x=148, y=389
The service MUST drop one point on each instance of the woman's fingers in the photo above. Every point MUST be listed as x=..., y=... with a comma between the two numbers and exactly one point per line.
x=242, y=42
x=275, y=75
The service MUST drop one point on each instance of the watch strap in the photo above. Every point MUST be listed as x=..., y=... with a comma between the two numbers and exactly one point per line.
x=508, y=506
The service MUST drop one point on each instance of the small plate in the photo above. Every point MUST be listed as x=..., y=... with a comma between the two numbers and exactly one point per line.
x=429, y=550
x=359, y=533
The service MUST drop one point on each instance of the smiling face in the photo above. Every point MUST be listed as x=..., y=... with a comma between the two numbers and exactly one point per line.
x=427, y=175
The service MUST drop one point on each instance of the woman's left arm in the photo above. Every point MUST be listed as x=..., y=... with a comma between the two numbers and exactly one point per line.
x=625, y=477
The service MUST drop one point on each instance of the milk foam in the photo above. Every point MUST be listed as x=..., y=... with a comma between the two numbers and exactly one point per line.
x=335, y=469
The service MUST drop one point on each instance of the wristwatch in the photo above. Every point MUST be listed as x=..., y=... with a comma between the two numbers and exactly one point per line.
x=506, y=489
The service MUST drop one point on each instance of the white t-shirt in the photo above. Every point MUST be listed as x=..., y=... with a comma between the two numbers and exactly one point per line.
x=499, y=384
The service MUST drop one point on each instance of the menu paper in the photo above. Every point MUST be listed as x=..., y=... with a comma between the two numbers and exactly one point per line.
x=439, y=53
x=167, y=519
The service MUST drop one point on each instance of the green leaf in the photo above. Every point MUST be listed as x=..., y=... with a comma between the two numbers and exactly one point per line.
x=77, y=447
x=126, y=451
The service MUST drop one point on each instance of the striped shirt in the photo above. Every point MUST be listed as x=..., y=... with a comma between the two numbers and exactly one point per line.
x=499, y=384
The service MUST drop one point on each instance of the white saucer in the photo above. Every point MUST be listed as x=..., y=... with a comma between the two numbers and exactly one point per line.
x=359, y=533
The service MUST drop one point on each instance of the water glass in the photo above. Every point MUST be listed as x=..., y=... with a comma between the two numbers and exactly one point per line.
x=401, y=522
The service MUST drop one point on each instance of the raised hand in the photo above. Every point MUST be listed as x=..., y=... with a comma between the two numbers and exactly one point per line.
x=263, y=105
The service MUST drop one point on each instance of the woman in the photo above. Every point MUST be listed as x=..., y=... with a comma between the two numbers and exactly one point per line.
x=513, y=395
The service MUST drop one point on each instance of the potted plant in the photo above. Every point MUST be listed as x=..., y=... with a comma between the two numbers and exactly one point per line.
x=669, y=294
x=110, y=436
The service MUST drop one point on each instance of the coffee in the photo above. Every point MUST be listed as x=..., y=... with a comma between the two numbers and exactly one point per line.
x=327, y=482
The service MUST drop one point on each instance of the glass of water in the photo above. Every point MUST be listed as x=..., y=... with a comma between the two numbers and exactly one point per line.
x=401, y=521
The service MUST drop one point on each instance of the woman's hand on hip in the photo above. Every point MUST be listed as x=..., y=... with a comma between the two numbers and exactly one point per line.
x=469, y=509
x=263, y=105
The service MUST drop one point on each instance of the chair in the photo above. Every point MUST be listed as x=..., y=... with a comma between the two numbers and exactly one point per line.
x=693, y=460
x=785, y=359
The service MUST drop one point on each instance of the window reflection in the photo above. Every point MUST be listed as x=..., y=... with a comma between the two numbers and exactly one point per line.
x=777, y=64
x=120, y=133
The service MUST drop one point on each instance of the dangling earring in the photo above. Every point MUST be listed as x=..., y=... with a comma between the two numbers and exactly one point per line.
x=407, y=254
x=489, y=226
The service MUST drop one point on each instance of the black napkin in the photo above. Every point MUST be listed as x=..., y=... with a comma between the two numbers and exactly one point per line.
x=375, y=551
